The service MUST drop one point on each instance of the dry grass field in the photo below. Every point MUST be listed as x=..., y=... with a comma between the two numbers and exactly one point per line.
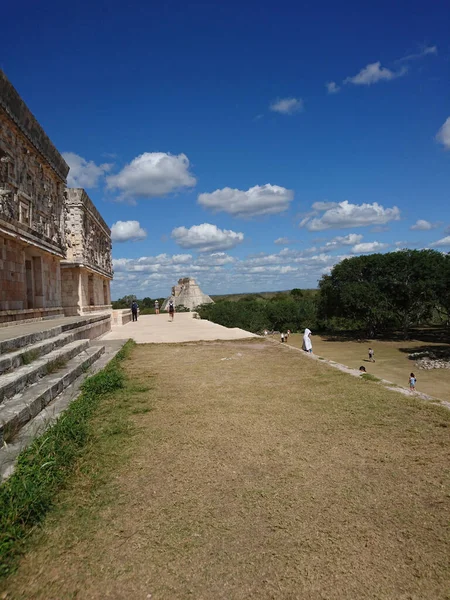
x=391, y=360
x=244, y=470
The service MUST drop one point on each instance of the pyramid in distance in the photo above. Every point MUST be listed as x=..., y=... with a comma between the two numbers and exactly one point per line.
x=187, y=293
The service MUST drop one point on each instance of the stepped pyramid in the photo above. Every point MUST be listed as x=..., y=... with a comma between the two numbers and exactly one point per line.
x=187, y=293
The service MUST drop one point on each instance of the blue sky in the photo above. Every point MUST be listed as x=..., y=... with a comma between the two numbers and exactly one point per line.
x=249, y=145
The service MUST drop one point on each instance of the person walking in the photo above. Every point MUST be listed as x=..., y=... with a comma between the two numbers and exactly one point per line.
x=412, y=382
x=371, y=355
x=156, y=307
x=134, y=310
x=171, y=310
x=307, y=344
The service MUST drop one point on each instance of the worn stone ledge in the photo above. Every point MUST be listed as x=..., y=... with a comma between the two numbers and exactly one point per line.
x=120, y=317
x=15, y=317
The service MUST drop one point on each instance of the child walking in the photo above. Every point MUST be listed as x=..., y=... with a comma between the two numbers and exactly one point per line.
x=371, y=353
x=412, y=382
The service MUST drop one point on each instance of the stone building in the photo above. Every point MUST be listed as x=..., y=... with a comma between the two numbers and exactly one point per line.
x=187, y=293
x=50, y=242
x=87, y=270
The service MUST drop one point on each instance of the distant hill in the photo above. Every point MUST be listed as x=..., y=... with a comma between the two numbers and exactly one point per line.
x=264, y=295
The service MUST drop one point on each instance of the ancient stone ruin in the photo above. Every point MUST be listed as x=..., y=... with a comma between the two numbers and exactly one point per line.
x=55, y=248
x=187, y=293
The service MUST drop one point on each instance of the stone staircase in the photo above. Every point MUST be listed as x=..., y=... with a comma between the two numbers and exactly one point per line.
x=36, y=366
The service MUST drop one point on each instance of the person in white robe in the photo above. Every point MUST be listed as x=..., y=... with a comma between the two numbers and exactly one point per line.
x=307, y=344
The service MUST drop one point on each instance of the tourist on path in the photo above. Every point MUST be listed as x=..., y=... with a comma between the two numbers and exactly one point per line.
x=171, y=309
x=156, y=307
x=307, y=344
x=134, y=310
x=412, y=382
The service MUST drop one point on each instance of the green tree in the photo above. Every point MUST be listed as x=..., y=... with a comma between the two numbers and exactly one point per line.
x=297, y=293
x=382, y=290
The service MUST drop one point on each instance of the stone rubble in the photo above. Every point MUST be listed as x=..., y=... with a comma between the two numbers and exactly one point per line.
x=428, y=360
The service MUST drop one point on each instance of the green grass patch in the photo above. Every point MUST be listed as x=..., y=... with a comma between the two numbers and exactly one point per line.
x=45, y=466
x=29, y=356
x=370, y=377
x=55, y=365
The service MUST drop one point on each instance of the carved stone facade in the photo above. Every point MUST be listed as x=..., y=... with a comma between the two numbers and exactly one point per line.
x=88, y=266
x=37, y=224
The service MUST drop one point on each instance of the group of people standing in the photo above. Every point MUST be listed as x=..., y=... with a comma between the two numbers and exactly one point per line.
x=135, y=309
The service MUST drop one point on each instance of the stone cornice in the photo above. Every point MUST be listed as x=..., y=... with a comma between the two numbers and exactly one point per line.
x=24, y=235
x=19, y=113
x=67, y=264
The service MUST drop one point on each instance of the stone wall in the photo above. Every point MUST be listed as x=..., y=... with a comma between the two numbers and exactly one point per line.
x=55, y=248
x=84, y=291
x=18, y=112
x=88, y=236
x=88, y=257
x=30, y=282
x=31, y=191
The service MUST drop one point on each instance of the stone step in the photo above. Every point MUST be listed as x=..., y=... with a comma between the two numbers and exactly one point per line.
x=93, y=326
x=20, y=409
x=14, y=382
x=28, y=354
x=15, y=359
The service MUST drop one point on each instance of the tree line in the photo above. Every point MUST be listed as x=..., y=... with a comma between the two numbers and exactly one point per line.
x=372, y=294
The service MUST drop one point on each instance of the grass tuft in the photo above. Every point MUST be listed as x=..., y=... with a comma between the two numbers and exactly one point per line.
x=370, y=377
x=55, y=365
x=43, y=467
x=29, y=356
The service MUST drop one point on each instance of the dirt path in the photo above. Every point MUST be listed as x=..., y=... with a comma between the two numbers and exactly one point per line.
x=392, y=362
x=255, y=474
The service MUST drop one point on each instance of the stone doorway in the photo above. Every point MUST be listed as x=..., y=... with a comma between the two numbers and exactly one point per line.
x=91, y=290
x=29, y=282
x=105, y=293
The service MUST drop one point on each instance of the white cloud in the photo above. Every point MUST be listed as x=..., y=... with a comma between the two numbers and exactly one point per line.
x=443, y=135
x=426, y=51
x=422, y=225
x=216, y=259
x=320, y=206
x=352, y=215
x=346, y=240
x=151, y=175
x=332, y=87
x=368, y=247
x=373, y=73
x=83, y=173
x=124, y=231
x=259, y=200
x=206, y=237
x=443, y=242
x=287, y=106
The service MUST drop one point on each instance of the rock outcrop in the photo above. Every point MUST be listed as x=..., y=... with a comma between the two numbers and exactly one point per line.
x=187, y=293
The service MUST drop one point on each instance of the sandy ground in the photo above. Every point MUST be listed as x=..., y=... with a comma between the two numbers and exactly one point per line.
x=159, y=329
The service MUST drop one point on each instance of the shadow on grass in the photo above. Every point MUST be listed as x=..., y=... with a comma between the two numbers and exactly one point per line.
x=435, y=352
x=423, y=334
